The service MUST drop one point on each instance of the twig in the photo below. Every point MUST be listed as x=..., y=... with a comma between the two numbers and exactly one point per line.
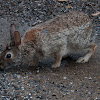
x=96, y=14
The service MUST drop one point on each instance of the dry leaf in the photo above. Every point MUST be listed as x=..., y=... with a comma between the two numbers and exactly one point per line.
x=25, y=83
x=69, y=6
x=96, y=14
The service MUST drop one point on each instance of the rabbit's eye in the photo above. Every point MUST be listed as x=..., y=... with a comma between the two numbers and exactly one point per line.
x=8, y=56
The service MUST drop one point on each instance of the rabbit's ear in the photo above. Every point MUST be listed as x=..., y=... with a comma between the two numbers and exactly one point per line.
x=12, y=30
x=17, y=38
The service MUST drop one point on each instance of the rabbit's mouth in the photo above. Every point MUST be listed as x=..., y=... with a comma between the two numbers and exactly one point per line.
x=2, y=68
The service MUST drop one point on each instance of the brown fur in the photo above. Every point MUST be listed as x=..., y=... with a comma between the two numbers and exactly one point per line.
x=30, y=35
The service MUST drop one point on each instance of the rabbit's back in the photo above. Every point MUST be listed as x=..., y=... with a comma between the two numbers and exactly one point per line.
x=73, y=28
x=70, y=31
x=61, y=22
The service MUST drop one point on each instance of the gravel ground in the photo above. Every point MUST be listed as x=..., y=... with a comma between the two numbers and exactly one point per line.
x=69, y=82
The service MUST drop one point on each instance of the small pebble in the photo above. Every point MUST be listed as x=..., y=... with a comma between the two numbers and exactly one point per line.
x=22, y=88
x=64, y=78
x=97, y=98
x=72, y=90
x=70, y=83
x=30, y=94
x=18, y=76
x=90, y=78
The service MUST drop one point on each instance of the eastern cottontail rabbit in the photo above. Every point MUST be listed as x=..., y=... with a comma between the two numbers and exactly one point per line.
x=58, y=37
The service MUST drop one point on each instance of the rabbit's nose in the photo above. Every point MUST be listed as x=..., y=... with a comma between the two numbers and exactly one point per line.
x=1, y=69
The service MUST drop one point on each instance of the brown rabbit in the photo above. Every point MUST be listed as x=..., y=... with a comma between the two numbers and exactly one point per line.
x=58, y=37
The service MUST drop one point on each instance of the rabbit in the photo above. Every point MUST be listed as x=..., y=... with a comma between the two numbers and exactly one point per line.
x=57, y=38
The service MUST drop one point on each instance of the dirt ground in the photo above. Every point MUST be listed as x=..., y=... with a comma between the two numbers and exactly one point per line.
x=69, y=82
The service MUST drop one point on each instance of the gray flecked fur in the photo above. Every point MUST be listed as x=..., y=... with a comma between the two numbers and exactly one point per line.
x=56, y=38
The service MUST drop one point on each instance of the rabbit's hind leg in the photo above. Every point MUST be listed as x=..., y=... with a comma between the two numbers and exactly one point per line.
x=58, y=58
x=88, y=55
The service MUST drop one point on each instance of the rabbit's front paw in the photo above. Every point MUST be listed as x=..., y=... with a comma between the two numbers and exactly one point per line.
x=82, y=60
x=34, y=64
x=55, y=65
